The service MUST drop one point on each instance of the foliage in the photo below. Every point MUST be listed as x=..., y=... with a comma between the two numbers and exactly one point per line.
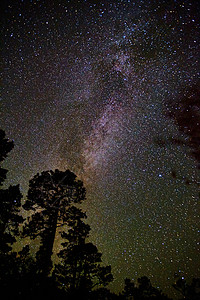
x=80, y=270
x=188, y=291
x=49, y=197
x=10, y=203
x=5, y=147
x=144, y=290
x=52, y=197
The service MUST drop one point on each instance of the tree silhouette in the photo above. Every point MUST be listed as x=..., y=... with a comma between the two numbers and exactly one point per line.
x=49, y=197
x=143, y=290
x=5, y=147
x=10, y=203
x=52, y=199
x=80, y=269
x=103, y=294
x=129, y=289
x=188, y=291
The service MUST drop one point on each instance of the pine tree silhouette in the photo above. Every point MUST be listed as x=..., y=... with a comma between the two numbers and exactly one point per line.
x=49, y=197
x=80, y=269
x=10, y=203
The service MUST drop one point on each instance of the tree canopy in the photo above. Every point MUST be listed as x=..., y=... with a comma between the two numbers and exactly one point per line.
x=52, y=198
x=10, y=202
x=49, y=196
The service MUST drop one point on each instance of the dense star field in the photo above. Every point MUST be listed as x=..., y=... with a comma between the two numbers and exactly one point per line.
x=85, y=88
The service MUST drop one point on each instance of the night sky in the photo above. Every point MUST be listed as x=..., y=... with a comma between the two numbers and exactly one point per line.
x=85, y=87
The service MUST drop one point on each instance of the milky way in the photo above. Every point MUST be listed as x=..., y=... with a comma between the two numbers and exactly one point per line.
x=85, y=87
x=105, y=140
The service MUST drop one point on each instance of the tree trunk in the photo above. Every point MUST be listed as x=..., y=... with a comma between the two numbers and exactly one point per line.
x=48, y=236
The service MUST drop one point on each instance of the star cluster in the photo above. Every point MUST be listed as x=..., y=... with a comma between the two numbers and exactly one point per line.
x=85, y=87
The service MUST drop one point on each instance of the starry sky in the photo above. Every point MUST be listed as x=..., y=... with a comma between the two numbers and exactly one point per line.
x=85, y=88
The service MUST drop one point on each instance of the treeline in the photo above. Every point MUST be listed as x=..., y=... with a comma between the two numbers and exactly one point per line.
x=53, y=211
